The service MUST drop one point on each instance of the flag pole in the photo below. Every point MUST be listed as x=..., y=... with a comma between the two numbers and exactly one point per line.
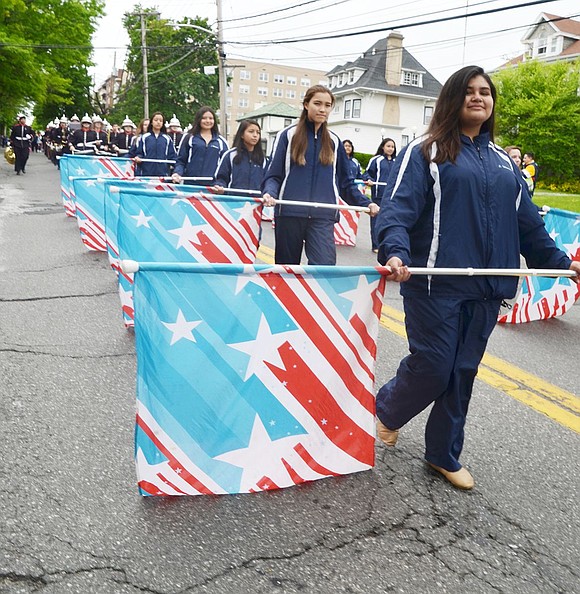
x=322, y=205
x=153, y=160
x=129, y=266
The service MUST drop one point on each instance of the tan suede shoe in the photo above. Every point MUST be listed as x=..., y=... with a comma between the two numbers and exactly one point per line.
x=387, y=436
x=461, y=478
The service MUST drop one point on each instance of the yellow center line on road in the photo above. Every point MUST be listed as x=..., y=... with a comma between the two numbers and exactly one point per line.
x=531, y=390
x=556, y=403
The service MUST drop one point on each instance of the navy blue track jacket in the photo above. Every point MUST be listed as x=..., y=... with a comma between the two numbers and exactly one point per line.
x=197, y=158
x=474, y=213
x=246, y=174
x=313, y=182
x=160, y=147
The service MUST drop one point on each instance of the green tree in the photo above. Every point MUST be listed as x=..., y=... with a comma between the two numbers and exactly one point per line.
x=538, y=109
x=45, y=50
x=176, y=58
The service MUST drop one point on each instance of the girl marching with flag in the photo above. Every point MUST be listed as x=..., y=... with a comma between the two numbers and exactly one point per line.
x=155, y=144
x=454, y=200
x=309, y=164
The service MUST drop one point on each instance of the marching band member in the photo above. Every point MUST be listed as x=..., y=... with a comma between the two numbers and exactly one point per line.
x=21, y=140
x=124, y=139
x=175, y=132
x=200, y=149
x=101, y=141
x=58, y=139
x=155, y=144
x=82, y=141
x=309, y=163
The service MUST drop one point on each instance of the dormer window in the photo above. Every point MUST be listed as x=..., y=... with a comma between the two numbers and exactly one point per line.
x=351, y=76
x=542, y=47
x=340, y=79
x=412, y=79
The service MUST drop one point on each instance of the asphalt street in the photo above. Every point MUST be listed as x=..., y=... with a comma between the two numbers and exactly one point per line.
x=71, y=518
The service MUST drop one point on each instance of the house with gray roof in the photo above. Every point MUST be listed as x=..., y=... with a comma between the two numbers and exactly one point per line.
x=384, y=93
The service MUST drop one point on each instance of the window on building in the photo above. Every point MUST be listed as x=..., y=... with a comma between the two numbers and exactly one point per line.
x=244, y=89
x=347, y=108
x=404, y=139
x=302, y=94
x=243, y=102
x=263, y=77
x=229, y=101
x=290, y=94
x=351, y=76
x=413, y=79
x=263, y=91
x=245, y=75
x=305, y=82
x=333, y=82
x=287, y=122
x=340, y=79
x=554, y=45
x=279, y=78
x=276, y=92
x=427, y=114
x=356, y=103
x=229, y=88
x=542, y=46
x=291, y=80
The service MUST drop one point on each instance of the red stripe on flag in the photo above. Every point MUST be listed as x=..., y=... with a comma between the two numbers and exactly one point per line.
x=150, y=488
x=296, y=478
x=209, y=250
x=311, y=462
x=168, y=482
x=173, y=462
x=368, y=341
x=301, y=381
x=267, y=484
x=308, y=323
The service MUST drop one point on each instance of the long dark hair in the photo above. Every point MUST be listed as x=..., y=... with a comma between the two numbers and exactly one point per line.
x=196, y=126
x=257, y=154
x=300, y=138
x=445, y=126
x=150, y=126
x=380, y=150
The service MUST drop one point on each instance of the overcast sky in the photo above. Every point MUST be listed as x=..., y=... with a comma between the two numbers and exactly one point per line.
x=442, y=48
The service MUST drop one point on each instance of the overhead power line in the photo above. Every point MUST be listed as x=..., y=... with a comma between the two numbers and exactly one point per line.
x=390, y=28
x=270, y=12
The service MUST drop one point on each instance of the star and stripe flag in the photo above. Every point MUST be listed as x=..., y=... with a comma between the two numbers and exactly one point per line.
x=253, y=378
x=540, y=298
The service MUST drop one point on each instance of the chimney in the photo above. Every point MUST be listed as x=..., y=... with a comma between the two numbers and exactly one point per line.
x=394, y=58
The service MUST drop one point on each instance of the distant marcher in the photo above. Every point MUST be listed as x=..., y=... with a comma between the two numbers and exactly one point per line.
x=201, y=149
x=155, y=144
x=376, y=176
x=83, y=141
x=353, y=163
x=21, y=138
x=531, y=167
x=244, y=165
x=515, y=152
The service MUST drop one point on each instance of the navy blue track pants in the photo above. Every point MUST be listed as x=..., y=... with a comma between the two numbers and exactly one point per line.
x=447, y=340
x=315, y=235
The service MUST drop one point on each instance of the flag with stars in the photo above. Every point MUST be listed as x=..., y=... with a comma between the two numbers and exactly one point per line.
x=540, y=298
x=89, y=166
x=184, y=226
x=252, y=378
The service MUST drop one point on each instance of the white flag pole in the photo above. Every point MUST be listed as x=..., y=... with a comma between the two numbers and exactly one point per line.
x=491, y=272
x=376, y=183
x=322, y=205
x=153, y=160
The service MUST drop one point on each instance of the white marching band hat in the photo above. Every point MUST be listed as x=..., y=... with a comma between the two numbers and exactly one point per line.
x=174, y=121
x=86, y=119
x=128, y=122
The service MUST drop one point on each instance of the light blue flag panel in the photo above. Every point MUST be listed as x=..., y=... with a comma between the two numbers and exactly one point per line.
x=252, y=378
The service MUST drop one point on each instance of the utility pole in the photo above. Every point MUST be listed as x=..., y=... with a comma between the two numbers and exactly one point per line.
x=142, y=15
x=222, y=76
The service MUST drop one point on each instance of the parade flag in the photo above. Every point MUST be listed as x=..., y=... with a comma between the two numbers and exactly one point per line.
x=90, y=166
x=89, y=200
x=346, y=228
x=540, y=298
x=252, y=378
x=183, y=226
x=65, y=187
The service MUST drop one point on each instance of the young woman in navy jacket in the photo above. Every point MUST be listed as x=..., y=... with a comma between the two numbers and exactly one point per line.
x=454, y=200
x=201, y=149
x=378, y=170
x=309, y=164
x=244, y=165
x=155, y=144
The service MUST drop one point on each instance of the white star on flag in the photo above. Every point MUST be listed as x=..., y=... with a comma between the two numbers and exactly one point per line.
x=181, y=328
x=263, y=348
x=572, y=247
x=186, y=233
x=80, y=171
x=359, y=296
x=262, y=457
x=245, y=212
x=142, y=220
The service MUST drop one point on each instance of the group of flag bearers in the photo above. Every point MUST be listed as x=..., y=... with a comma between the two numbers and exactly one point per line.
x=310, y=163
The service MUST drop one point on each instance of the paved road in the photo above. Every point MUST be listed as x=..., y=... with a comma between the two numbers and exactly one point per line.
x=71, y=519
